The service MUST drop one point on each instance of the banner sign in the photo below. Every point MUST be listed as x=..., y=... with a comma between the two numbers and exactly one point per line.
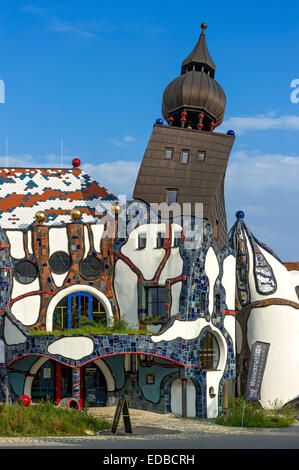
x=258, y=359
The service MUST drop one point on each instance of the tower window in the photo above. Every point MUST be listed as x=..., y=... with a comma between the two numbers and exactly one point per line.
x=201, y=156
x=141, y=241
x=216, y=230
x=185, y=156
x=168, y=154
x=172, y=196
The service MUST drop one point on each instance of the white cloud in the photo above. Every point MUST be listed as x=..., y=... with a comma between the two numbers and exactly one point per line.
x=266, y=187
x=121, y=142
x=261, y=122
x=118, y=177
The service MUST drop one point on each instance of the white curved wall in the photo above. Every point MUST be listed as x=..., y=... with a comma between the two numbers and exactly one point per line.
x=125, y=285
x=279, y=326
x=212, y=272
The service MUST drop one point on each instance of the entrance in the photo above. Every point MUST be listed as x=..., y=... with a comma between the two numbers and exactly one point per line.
x=44, y=382
x=94, y=386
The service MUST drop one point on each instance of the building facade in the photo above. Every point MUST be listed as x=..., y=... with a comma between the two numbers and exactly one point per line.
x=102, y=298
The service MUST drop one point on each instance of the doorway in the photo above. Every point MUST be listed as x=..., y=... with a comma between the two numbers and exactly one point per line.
x=94, y=386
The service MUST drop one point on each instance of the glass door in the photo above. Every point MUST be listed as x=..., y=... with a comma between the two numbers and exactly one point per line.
x=95, y=388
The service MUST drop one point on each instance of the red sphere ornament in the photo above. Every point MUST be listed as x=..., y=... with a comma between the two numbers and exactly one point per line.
x=201, y=116
x=183, y=119
x=76, y=162
x=171, y=119
x=199, y=125
x=184, y=113
x=24, y=400
x=213, y=124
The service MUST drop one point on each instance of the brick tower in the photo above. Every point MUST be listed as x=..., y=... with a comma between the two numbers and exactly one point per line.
x=185, y=161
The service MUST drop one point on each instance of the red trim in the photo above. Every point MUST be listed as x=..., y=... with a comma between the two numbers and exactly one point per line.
x=58, y=382
x=27, y=295
x=6, y=267
x=132, y=266
x=229, y=312
x=100, y=357
x=22, y=372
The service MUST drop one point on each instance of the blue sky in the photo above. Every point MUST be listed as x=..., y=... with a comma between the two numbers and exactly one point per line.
x=93, y=73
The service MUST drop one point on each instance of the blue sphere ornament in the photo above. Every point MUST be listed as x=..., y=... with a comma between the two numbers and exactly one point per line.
x=159, y=121
x=240, y=215
x=231, y=132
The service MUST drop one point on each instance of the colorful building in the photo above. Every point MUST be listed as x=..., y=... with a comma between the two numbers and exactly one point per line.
x=102, y=298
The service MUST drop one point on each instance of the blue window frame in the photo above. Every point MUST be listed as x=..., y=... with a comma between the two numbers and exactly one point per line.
x=76, y=303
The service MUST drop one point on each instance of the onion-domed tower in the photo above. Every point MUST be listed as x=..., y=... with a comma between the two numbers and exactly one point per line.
x=195, y=91
x=185, y=161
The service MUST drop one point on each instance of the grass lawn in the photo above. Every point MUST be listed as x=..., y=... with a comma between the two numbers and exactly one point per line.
x=45, y=419
x=257, y=417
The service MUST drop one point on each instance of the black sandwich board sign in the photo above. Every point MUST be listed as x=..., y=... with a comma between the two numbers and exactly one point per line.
x=258, y=359
x=122, y=407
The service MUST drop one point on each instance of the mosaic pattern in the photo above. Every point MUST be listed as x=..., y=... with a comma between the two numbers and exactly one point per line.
x=263, y=274
x=24, y=191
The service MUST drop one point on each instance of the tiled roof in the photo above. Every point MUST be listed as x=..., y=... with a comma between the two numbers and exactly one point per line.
x=292, y=265
x=24, y=191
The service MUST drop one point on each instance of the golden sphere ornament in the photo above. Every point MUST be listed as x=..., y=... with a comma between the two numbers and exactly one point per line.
x=115, y=209
x=76, y=214
x=40, y=217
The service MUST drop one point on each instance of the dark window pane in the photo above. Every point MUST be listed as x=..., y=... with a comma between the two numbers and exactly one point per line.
x=172, y=196
x=25, y=272
x=160, y=240
x=141, y=241
x=91, y=267
x=209, y=352
x=60, y=262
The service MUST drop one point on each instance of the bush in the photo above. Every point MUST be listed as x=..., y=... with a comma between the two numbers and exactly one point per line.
x=45, y=419
x=255, y=416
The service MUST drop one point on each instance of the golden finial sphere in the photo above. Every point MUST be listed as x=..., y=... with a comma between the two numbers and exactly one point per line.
x=40, y=217
x=204, y=25
x=76, y=214
x=115, y=209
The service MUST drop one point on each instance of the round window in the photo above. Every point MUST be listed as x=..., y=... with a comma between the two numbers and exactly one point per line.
x=25, y=272
x=91, y=267
x=60, y=262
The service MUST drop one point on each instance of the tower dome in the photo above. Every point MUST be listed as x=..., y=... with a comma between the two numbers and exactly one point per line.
x=195, y=92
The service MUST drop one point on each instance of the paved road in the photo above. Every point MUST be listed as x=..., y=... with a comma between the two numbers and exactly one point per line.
x=275, y=439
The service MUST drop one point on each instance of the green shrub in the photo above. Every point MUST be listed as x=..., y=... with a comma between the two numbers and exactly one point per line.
x=91, y=327
x=255, y=416
x=45, y=419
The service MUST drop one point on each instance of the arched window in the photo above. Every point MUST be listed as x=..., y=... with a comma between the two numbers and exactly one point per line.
x=209, y=352
x=77, y=310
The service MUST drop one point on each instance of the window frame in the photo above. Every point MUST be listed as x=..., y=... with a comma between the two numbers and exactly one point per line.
x=187, y=151
x=167, y=194
x=157, y=302
x=209, y=361
x=168, y=149
x=201, y=152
